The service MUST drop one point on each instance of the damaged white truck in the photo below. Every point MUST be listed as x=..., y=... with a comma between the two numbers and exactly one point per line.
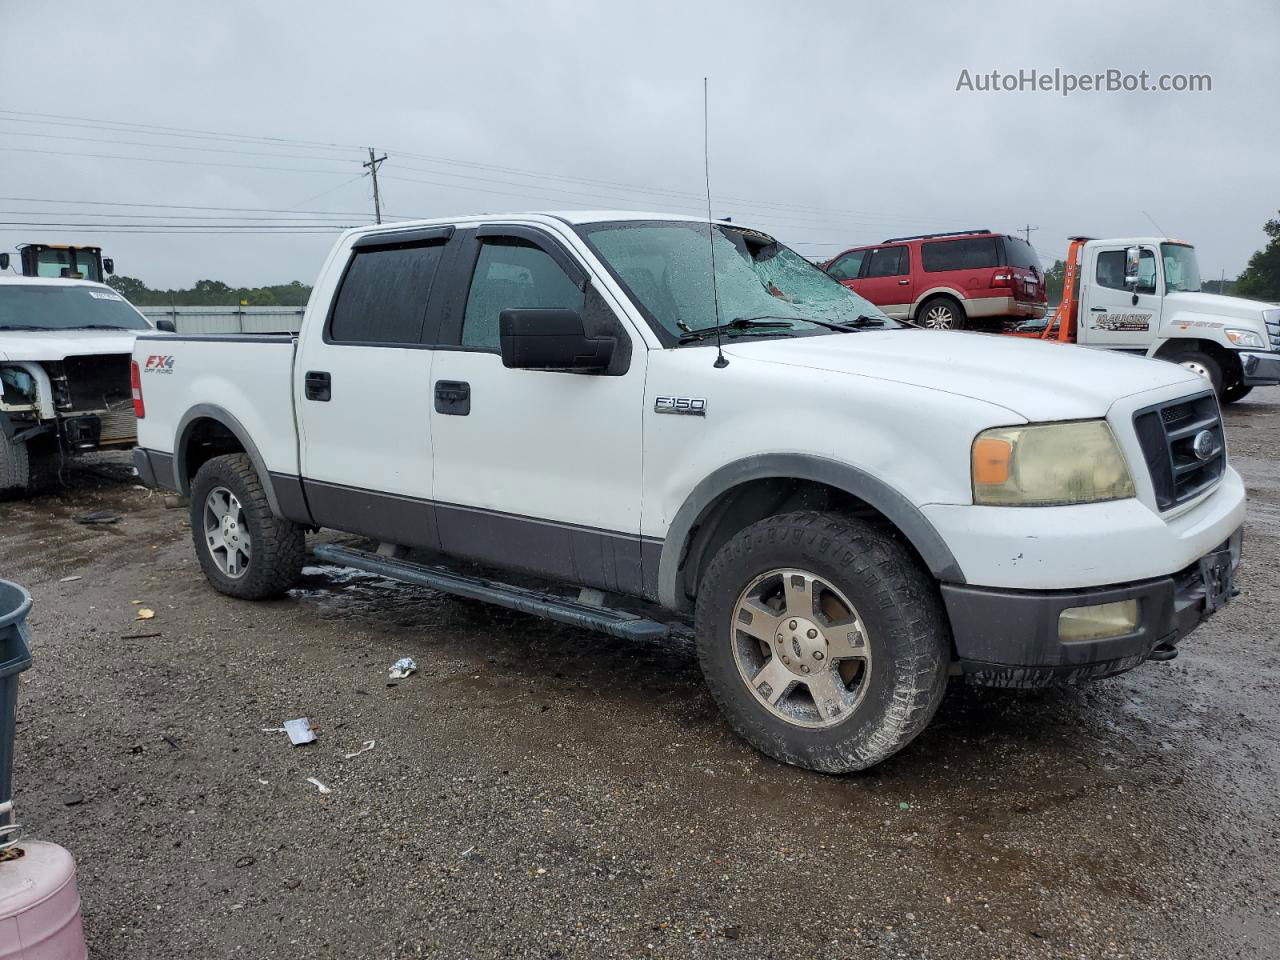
x=65, y=347
x=565, y=415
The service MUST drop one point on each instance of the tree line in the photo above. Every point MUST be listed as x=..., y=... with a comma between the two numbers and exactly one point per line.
x=212, y=293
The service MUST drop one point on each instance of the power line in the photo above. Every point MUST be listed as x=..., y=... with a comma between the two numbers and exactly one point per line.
x=57, y=119
x=167, y=160
x=172, y=146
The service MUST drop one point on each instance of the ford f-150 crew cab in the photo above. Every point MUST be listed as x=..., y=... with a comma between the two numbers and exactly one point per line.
x=565, y=415
x=65, y=347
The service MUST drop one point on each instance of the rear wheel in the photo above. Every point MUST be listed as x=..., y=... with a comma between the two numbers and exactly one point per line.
x=822, y=640
x=244, y=549
x=942, y=313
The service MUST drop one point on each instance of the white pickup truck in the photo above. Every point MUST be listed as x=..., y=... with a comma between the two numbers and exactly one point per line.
x=563, y=414
x=65, y=347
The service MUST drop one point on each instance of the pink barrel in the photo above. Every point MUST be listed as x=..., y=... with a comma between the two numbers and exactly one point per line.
x=40, y=905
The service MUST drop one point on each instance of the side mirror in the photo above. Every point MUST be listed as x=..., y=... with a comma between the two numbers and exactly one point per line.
x=1131, y=256
x=4, y=261
x=536, y=339
x=108, y=265
x=165, y=325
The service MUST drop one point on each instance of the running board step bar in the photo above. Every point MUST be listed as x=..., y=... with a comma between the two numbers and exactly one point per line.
x=616, y=623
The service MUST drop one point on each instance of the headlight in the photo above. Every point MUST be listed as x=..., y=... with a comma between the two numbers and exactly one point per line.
x=1049, y=464
x=1245, y=338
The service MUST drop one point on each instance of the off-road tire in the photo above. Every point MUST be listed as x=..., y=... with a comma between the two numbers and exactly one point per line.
x=24, y=471
x=906, y=629
x=1235, y=393
x=946, y=304
x=1193, y=359
x=278, y=546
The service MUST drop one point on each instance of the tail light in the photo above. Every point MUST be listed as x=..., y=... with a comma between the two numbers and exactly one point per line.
x=135, y=388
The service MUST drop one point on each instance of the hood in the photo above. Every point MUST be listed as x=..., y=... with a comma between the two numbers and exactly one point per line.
x=1037, y=380
x=40, y=345
x=1214, y=305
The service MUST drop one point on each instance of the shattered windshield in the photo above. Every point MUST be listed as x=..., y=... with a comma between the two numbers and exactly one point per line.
x=666, y=268
x=66, y=306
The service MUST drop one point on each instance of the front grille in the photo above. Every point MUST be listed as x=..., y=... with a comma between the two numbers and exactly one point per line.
x=1167, y=433
x=1272, y=318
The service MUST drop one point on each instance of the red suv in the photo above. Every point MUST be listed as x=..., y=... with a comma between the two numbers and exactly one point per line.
x=947, y=280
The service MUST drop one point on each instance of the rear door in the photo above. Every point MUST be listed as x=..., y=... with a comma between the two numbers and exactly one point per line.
x=1113, y=315
x=535, y=470
x=969, y=265
x=886, y=280
x=363, y=391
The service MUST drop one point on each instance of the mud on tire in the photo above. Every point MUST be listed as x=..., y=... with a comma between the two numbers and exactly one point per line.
x=891, y=669
x=276, y=547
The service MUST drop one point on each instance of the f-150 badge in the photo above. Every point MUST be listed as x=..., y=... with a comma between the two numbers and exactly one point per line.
x=688, y=406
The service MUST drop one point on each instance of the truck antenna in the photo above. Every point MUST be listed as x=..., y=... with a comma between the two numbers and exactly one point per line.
x=721, y=360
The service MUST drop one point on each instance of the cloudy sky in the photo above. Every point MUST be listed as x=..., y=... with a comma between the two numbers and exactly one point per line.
x=224, y=140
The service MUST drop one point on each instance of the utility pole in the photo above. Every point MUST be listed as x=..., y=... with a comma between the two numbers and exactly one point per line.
x=373, y=164
x=1027, y=230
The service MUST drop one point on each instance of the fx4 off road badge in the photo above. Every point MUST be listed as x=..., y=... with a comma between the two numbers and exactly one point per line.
x=688, y=406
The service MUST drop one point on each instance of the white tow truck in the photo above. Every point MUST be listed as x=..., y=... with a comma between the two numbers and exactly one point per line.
x=564, y=414
x=1142, y=295
x=65, y=347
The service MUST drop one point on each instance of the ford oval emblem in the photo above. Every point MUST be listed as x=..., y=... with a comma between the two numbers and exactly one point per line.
x=1203, y=445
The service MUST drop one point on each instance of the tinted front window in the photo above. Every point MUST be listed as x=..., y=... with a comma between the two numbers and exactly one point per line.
x=888, y=262
x=847, y=267
x=383, y=298
x=511, y=274
x=65, y=306
x=969, y=253
x=1110, y=270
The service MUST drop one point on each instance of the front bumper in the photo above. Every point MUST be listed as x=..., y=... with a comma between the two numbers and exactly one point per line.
x=1260, y=369
x=1009, y=638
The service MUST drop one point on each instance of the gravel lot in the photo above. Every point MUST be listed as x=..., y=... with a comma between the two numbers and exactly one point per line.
x=540, y=791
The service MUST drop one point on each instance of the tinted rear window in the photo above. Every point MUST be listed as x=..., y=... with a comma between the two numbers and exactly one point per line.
x=967, y=254
x=1021, y=254
x=383, y=298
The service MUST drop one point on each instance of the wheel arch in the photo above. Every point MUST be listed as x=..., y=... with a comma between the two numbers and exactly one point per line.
x=206, y=431
x=741, y=493
x=1229, y=360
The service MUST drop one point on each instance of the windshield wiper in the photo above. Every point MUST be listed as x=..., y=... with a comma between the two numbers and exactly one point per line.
x=740, y=323
x=859, y=322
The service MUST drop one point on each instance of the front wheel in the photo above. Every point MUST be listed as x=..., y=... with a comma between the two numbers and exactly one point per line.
x=244, y=549
x=1235, y=393
x=822, y=640
x=1201, y=364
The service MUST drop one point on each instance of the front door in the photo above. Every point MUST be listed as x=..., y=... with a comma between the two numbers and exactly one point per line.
x=886, y=280
x=1113, y=315
x=535, y=470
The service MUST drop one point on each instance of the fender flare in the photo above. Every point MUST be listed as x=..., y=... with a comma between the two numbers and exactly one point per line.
x=900, y=511
x=209, y=411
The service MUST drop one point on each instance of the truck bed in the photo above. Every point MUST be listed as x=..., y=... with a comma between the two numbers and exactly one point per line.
x=248, y=379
